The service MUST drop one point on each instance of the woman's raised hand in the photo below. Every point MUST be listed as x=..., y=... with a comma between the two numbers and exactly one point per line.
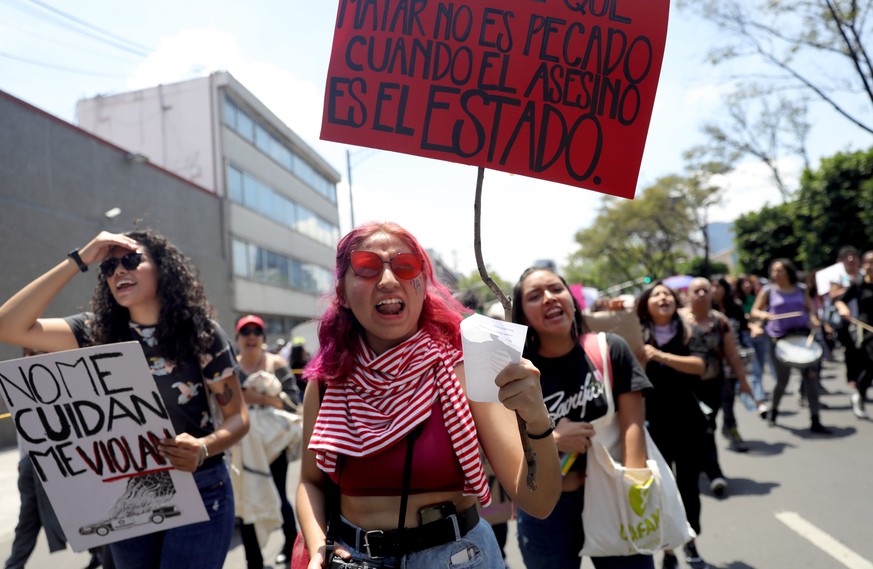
x=520, y=391
x=99, y=248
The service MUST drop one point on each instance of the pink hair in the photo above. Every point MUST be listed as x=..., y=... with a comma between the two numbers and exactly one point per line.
x=339, y=330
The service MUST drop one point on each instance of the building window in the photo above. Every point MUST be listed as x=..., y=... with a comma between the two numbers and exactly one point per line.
x=245, y=189
x=247, y=127
x=259, y=264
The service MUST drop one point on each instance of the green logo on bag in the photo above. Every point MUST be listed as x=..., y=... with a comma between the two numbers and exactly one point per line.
x=638, y=496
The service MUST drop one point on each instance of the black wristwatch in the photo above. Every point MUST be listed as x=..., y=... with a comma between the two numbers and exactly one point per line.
x=74, y=255
x=543, y=435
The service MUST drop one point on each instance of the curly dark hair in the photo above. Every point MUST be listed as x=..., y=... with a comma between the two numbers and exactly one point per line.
x=185, y=324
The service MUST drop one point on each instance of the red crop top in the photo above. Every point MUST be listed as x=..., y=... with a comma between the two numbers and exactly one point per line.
x=435, y=466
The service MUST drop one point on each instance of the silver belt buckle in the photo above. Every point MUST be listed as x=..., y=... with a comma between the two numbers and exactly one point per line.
x=366, y=543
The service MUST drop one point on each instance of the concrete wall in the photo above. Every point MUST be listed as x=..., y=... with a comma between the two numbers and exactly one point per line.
x=58, y=181
x=170, y=124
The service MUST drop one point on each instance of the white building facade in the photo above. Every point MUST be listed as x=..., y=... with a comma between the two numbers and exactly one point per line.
x=279, y=196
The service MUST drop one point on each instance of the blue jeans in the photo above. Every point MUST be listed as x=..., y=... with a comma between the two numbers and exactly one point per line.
x=203, y=545
x=761, y=345
x=479, y=542
x=555, y=542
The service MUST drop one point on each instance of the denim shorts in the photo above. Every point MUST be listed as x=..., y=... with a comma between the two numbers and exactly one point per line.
x=202, y=545
x=478, y=549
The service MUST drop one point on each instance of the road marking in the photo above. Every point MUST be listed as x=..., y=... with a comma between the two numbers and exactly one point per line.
x=824, y=541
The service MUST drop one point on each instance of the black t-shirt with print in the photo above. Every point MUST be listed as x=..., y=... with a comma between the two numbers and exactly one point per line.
x=182, y=386
x=563, y=381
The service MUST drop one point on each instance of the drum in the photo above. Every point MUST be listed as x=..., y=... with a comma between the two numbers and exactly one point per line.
x=796, y=350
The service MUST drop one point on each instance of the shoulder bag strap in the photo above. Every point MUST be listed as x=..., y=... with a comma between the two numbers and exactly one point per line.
x=597, y=353
x=407, y=473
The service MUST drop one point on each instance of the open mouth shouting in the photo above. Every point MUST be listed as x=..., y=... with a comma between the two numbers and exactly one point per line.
x=554, y=312
x=390, y=306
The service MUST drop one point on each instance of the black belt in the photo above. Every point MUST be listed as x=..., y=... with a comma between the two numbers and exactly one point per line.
x=398, y=542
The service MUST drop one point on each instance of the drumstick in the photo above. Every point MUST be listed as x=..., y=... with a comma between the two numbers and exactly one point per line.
x=861, y=324
x=809, y=339
x=786, y=315
x=5, y=416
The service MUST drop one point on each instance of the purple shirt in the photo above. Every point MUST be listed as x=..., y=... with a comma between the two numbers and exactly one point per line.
x=782, y=303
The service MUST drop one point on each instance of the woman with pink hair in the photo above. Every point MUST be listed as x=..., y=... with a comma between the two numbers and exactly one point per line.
x=387, y=420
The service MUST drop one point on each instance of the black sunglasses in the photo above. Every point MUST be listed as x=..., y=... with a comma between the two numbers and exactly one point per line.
x=249, y=330
x=130, y=262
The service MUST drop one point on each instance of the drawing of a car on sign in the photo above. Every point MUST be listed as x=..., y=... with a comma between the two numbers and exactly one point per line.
x=155, y=516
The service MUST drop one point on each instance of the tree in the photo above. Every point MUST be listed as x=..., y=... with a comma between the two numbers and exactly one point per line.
x=473, y=282
x=645, y=236
x=698, y=266
x=784, y=55
x=763, y=236
x=834, y=207
x=818, y=50
x=700, y=194
x=779, y=131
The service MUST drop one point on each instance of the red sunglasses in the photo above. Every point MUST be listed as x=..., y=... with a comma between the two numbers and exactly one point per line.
x=368, y=264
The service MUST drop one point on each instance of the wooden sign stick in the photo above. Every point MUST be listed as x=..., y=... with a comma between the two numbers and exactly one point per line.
x=529, y=455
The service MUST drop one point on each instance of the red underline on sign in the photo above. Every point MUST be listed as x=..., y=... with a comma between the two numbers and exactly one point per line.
x=135, y=474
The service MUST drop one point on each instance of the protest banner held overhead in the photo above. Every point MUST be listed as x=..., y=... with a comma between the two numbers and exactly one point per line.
x=554, y=89
x=90, y=420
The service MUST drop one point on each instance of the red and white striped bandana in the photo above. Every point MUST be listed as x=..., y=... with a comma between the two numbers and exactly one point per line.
x=387, y=395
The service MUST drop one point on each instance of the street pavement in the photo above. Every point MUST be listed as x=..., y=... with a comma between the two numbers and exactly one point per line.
x=794, y=501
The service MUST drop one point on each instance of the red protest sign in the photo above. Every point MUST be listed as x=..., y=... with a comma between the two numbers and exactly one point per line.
x=557, y=90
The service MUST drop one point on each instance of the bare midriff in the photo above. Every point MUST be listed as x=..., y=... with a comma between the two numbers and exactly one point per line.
x=381, y=512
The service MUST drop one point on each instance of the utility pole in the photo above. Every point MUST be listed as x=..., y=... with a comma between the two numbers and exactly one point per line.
x=349, y=174
x=361, y=155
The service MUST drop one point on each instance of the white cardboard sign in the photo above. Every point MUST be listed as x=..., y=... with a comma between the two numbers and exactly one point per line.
x=90, y=420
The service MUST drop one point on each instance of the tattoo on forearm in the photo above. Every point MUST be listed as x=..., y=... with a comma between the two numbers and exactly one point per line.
x=225, y=396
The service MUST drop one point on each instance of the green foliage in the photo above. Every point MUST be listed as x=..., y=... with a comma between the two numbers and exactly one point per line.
x=697, y=267
x=765, y=235
x=474, y=283
x=645, y=236
x=834, y=207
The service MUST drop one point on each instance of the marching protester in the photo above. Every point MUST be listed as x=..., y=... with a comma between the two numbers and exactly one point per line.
x=861, y=291
x=146, y=291
x=542, y=301
x=389, y=430
x=852, y=354
x=674, y=356
x=714, y=390
x=264, y=377
x=784, y=307
x=725, y=302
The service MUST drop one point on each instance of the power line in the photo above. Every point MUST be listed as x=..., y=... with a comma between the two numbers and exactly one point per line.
x=32, y=33
x=90, y=26
x=59, y=67
x=131, y=48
